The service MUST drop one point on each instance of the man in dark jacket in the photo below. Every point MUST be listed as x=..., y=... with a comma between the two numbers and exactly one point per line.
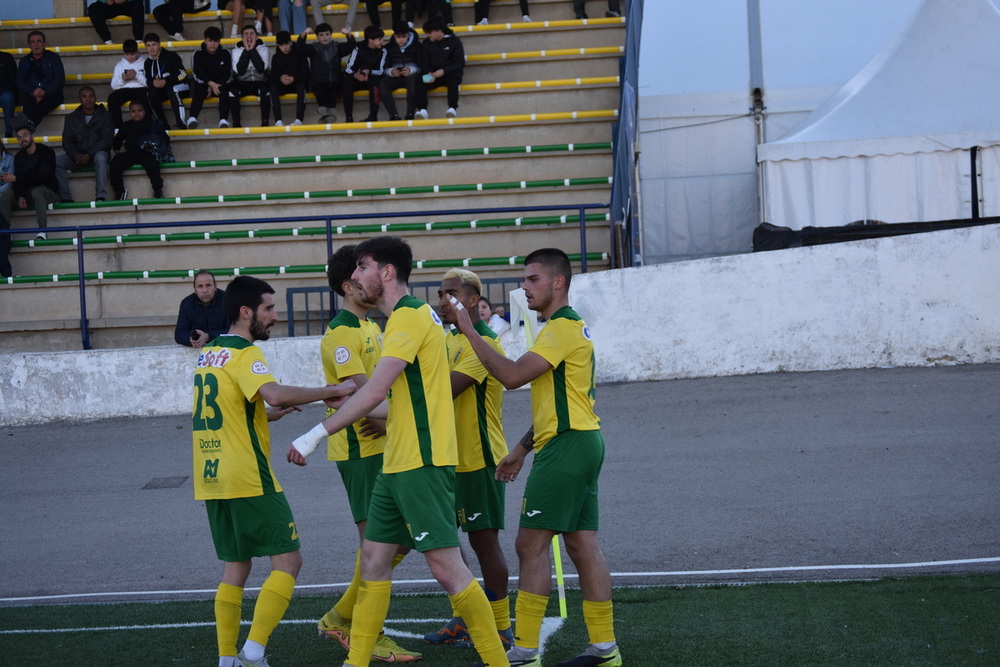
x=443, y=64
x=8, y=91
x=364, y=69
x=401, y=69
x=289, y=74
x=326, y=76
x=201, y=317
x=34, y=179
x=212, y=69
x=129, y=151
x=165, y=76
x=40, y=78
x=87, y=135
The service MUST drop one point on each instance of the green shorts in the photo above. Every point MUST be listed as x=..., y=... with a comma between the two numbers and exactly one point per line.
x=415, y=508
x=246, y=527
x=561, y=493
x=479, y=500
x=359, y=477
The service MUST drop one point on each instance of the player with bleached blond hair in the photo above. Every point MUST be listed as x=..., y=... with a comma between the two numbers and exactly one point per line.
x=479, y=496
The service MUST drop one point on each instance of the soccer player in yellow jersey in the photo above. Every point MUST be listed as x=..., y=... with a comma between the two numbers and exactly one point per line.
x=479, y=496
x=247, y=510
x=350, y=349
x=560, y=496
x=413, y=502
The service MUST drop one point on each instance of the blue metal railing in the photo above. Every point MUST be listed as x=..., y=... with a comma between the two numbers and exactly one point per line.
x=328, y=220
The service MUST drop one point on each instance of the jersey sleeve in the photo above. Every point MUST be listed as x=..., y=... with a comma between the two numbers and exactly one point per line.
x=404, y=334
x=341, y=350
x=468, y=363
x=251, y=372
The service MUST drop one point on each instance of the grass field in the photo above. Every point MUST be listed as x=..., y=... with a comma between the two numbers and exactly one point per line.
x=941, y=620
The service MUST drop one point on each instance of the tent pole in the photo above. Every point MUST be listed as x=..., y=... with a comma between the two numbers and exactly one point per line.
x=757, y=93
x=974, y=177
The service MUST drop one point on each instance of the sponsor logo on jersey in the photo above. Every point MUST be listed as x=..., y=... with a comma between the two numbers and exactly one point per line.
x=214, y=358
x=211, y=474
x=259, y=368
x=342, y=355
x=210, y=445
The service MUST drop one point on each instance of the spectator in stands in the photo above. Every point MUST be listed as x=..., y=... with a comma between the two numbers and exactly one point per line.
x=170, y=15
x=212, y=70
x=33, y=178
x=8, y=91
x=251, y=67
x=128, y=82
x=86, y=138
x=495, y=319
x=6, y=183
x=40, y=78
x=165, y=80
x=401, y=69
x=614, y=9
x=326, y=77
x=482, y=12
x=289, y=74
x=102, y=10
x=364, y=69
x=443, y=64
x=129, y=151
x=292, y=14
x=201, y=317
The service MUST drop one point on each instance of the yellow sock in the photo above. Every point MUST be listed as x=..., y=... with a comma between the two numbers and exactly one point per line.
x=501, y=613
x=272, y=602
x=472, y=605
x=599, y=618
x=228, y=605
x=369, y=615
x=530, y=610
x=345, y=605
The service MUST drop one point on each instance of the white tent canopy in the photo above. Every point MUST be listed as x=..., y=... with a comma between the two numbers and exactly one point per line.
x=893, y=144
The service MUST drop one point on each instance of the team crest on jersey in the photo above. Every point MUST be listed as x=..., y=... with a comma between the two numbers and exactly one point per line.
x=342, y=355
x=434, y=316
x=586, y=332
x=259, y=368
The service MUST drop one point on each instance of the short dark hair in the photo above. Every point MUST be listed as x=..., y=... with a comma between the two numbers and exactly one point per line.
x=130, y=46
x=323, y=27
x=434, y=24
x=400, y=28
x=244, y=291
x=553, y=258
x=25, y=124
x=213, y=33
x=283, y=37
x=374, y=32
x=340, y=266
x=151, y=37
x=249, y=26
x=83, y=88
x=389, y=250
x=36, y=32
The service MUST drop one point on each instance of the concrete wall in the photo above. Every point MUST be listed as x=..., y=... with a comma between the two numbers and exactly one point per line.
x=908, y=301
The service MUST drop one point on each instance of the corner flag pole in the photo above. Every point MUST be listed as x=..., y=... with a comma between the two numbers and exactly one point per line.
x=519, y=307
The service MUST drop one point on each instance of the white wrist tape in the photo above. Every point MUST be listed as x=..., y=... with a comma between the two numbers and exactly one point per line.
x=307, y=444
x=456, y=303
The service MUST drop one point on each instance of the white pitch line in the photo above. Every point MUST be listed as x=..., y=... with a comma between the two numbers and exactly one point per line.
x=668, y=573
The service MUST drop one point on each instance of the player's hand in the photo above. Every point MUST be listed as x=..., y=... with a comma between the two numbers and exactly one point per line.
x=510, y=465
x=372, y=428
x=295, y=457
x=275, y=413
x=462, y=319
x=339, y=393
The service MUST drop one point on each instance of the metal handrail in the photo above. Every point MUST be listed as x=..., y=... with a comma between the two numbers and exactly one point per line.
x=328, y=220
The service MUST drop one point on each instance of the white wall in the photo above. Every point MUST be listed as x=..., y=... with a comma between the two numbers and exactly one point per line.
x=907, y=301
